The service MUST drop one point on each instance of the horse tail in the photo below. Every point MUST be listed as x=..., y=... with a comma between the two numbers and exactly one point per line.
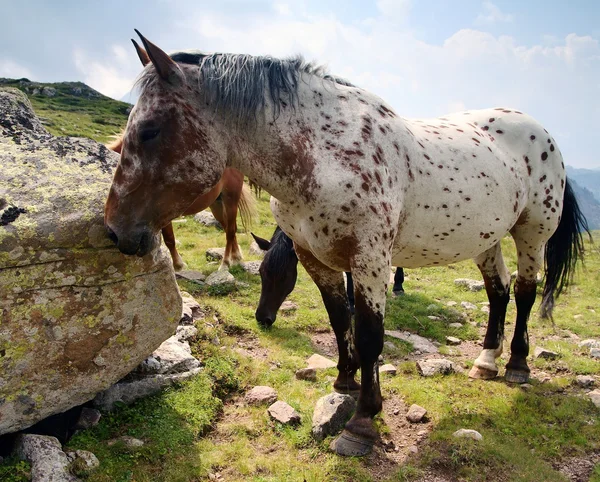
x=117, y=142
x=563, y=250
x=247, y=207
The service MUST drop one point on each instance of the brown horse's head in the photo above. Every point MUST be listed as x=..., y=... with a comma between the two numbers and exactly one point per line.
x=170, y=154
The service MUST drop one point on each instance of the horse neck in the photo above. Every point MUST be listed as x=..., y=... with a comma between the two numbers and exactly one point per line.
x=277, y=151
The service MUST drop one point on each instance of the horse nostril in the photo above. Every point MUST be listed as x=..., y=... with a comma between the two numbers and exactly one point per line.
x=112, y=236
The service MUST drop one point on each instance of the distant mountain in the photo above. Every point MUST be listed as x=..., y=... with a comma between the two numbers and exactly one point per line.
x=73, y=108
x=590, y=207
x=587, y=178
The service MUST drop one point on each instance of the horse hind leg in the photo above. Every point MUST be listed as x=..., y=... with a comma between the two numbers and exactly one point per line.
x=169, y=238
x=497, y=285
x=530, y=260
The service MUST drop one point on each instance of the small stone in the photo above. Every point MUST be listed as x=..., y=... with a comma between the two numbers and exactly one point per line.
x=470, y=284
x=416, y=414
x=413, y=449
x=251, y=267
x=308, y=374
x=451, y=303
x=284, y=413
x=320, y=362
x=485, y=309
x=440, y=366
x=387, y=369
x=127, y=441
x=595, y=352
x=288, y=306
x=396, y=411
x=255, y=250
x=88, y=418
x=85, y=460
x=215, y=254
x=261, y=395
x=468, y=433
x=174, y=356
x=595, y=397
x=44, y=453
x=578, y=317
x=468, y=306
x=389, y=345
x=455, y=325
x=190, y=275
x=207, y=219
x=589, y=343
x=221, y=279
x=452, y=340
x=419, y=343
x=432, y=307
x=526, y=386
x=540, y=352
x=434, y=318
x=585, y=381
x=331, y=413
x=185, y=333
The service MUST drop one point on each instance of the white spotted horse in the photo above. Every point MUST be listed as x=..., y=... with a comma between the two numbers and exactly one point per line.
x=357, y=188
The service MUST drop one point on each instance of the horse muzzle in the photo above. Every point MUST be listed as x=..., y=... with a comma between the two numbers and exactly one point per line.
x=139, y=241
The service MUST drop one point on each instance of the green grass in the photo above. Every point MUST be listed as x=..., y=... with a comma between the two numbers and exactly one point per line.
x=205, y=428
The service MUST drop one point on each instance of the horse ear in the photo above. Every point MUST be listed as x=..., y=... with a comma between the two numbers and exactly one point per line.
x=164, y=65
x=262, y=243
x=142, y=54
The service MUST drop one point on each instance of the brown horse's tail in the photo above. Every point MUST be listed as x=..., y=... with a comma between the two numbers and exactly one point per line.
x=247, y=207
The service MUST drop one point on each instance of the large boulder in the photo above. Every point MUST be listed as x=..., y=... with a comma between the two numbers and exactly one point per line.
x=76, y=315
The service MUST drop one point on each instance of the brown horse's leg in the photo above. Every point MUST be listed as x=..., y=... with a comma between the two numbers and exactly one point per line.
x=331, y=286
x=169, y=237
x=233, y=182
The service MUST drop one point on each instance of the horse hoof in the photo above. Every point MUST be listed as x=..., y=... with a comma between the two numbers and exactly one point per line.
x=353, y=392
x=179, y=267
x=480, y=373
x=350, y=445
x=516, y=376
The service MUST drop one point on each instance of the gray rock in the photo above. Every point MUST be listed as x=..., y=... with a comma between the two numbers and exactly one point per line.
x=215, y=254
x=585, y=381
x=595, y=352
x=389, y=345
x=191, y=310
x=455, y=325
x=485, y=309
x=255, y=250
x=468, y=306
x=127, y=441
x=540, y=352
x=594, y=396
x=129, y=392
x=416, y=414
x=468, y=433
x=284, y=413
x=207, y=219
x=589, y=343
x=251, y=267
x=418, y=342
x=470, y=284
x=191, y=275
x=387, y=369
x=434, y=318
x=309, y=374
x=76, y=313
x=452, y=340
x=331, y=413
x=432, y=307
x=288, y=306
x=222, y=279
x=48, y=462
x=451, y=303
x=320, y=362
x=185, y=333
x=261, y=395
x=438, y=366
x=175, y=356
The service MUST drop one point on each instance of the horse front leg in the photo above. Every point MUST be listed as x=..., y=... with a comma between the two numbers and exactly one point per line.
x=169, y=237
x=497, y=285
x=370, y=282
x=331, y=286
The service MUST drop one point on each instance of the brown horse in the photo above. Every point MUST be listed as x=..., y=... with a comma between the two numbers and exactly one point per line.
x=229, y=194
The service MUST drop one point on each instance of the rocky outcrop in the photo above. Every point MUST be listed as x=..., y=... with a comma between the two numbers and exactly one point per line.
x=76, y=315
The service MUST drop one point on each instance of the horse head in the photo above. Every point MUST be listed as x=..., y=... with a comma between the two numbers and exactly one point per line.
x=171, y=153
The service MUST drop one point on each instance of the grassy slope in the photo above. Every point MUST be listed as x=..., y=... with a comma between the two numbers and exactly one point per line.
x=524, y=431
x=69, y=113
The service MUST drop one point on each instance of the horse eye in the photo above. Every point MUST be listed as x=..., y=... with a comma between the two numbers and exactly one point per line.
x=149, y=134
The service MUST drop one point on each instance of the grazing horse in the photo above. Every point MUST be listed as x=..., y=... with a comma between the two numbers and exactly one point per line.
x=357, y=188
x=279, y=272
x=229, y=194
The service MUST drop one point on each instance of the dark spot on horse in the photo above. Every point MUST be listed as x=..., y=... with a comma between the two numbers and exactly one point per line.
x=346, y=208
x=485, y=128
x=365, y=187
x=552, y=147
x=532, y=137
x=544, y=156
x=325, y=230
x=426, y=156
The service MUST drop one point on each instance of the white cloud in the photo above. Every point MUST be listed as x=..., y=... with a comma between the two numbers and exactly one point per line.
x=492, y=14
x=10, y=69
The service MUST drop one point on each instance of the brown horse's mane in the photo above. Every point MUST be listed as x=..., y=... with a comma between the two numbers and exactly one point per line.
x=117, y=143
x=240, y=85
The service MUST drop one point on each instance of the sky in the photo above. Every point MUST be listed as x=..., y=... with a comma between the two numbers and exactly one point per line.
x=425, y=59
